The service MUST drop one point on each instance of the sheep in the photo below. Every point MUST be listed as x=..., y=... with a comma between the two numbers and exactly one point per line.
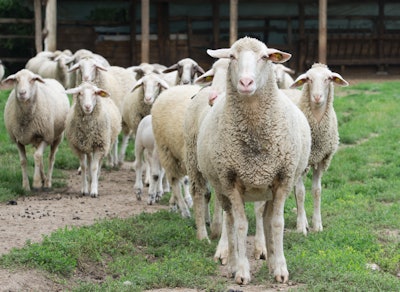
x=283, y=78
x=57, y=69
x=35, y=62
x=117, y=81
x=183, y=72
x=168, y=122
x=316, y=102
x=35, y=115
x=137, y=104
x=2, y=70
x=253, y=145
x=195, y=113
x=92, y=127
x=145, y=148
x=193, y=116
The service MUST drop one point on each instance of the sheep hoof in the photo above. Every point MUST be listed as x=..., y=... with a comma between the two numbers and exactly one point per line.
x=94, y=195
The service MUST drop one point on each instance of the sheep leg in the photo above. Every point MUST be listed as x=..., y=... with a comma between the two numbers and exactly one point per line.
x=124, y=146
x=157, y=174
x=237, y=237
x=95, y=166
x=165, y=183
x=52, y=156
x=300, y=191
x=221, y=254
x=138, y=187
x=260, y=248
x=83, y=167
x=188, y=197
x=200, y=207
x=316, y=191
x=23, y=161
x=273, y=228
x=177, y=198
x=217, y=221
x=38, y=175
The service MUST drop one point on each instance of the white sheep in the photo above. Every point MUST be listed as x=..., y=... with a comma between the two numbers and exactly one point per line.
x=35, y=114
x=168, y=113
x=316, y=102
x=252, y=146
x=282, y=74
x=146, y=151
x=195, y=113
x=35, y=62
x=57, y=69
x=184, y=71
x=117, y=81
x=92, y=128
x=137, y=104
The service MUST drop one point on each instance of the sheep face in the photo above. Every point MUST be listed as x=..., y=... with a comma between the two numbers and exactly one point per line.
x=88, y=68
x=187, y=70
x=248, y=57
x=151, y=85
x=86, y=96
x=319, y=79
x=24, y=83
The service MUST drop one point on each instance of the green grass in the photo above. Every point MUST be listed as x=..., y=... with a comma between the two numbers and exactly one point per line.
x=360, y=212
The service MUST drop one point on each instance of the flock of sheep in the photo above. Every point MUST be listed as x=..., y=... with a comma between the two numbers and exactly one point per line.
x=241, y=129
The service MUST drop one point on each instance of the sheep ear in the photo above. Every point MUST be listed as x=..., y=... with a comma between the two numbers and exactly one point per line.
x=38, y=78
x=278, y=56
x=163, y=83
x=299, y=81
x=171, y=68
x=336, y=78
x=199, y=70
x=102, y=93
x=74, y=68
x=219, y=53
x=98, y=66
x=288, y=70
x=72, y=90
x=138, y=84
x=8, y=83
x=206, y=78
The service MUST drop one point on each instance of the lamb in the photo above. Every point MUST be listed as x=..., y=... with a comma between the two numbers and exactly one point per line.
x=316, y=102
x=145, y=148
x=283, y=78
x=92, y=127
x=35, y=115
x=168, y=120
x=137, y=104
x=183, y=72
x=253, y=145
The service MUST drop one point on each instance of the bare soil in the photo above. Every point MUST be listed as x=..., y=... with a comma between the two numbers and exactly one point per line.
x=38, y=215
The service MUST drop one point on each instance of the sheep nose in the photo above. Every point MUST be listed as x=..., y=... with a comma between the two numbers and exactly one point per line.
x=317, y=98
x=246, y=81
x=185, y=81
x=22, y=92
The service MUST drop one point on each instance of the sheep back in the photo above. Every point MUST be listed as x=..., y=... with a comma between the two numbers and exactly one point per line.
x=168, y=114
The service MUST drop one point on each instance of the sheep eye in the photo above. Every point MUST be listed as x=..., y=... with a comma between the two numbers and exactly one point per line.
x=232, y=57
x=264, y=57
